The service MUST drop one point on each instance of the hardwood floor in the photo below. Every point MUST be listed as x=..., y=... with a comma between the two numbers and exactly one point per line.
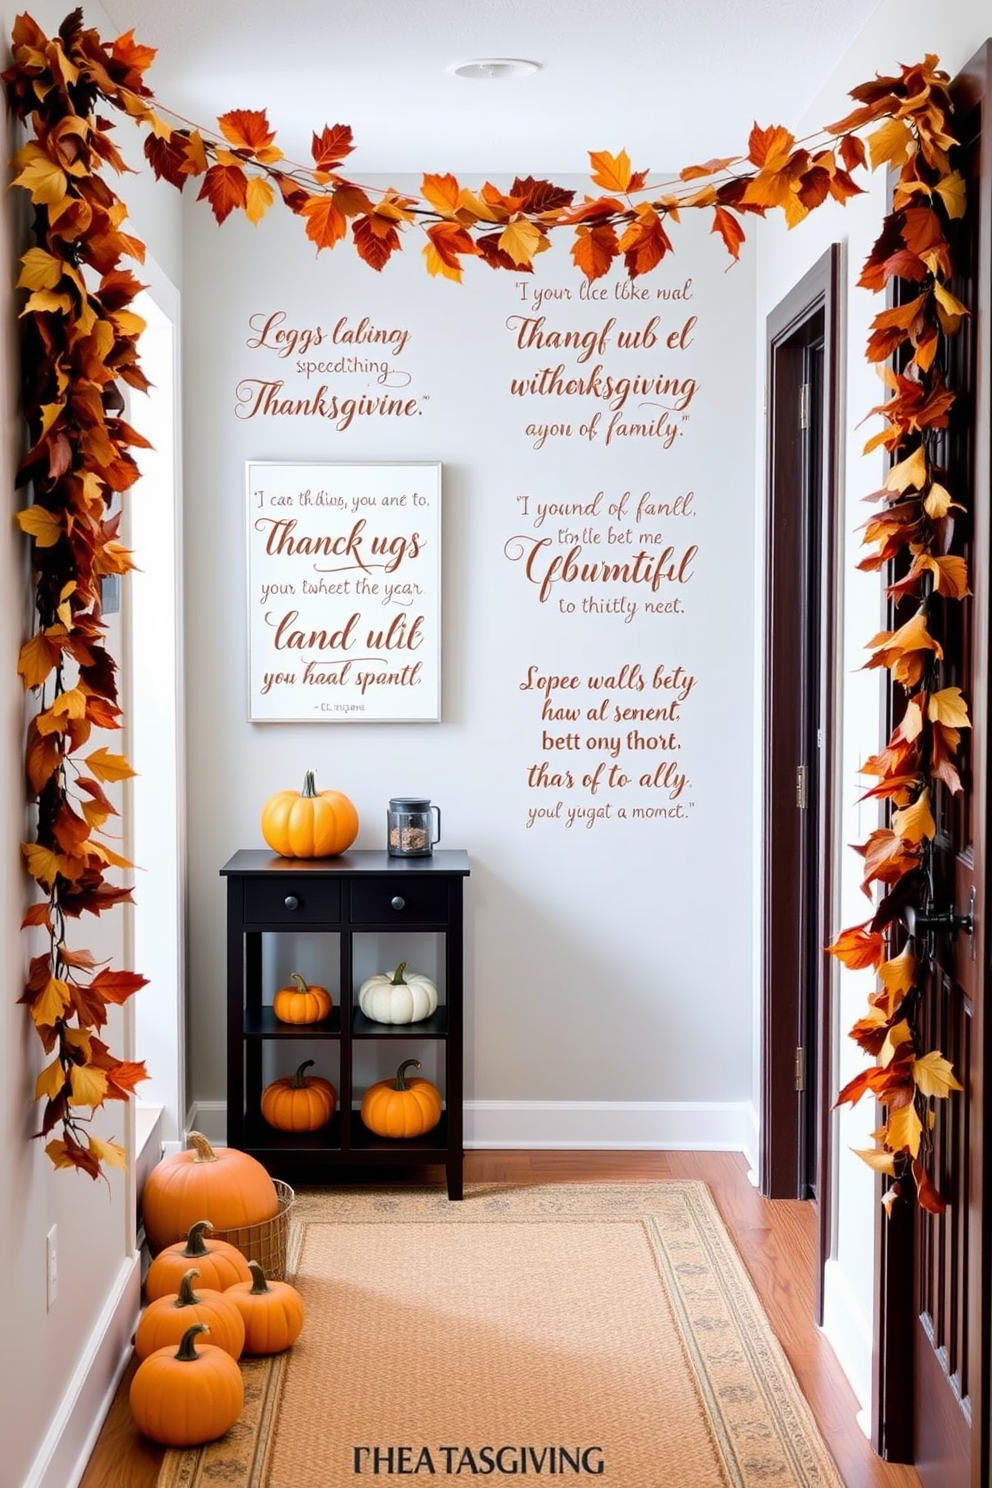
x=776, y=1240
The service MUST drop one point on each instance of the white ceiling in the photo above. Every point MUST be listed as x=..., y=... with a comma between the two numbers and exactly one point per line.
x=675, y=82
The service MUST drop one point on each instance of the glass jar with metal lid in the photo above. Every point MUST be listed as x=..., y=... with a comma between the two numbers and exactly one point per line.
x=410, y=823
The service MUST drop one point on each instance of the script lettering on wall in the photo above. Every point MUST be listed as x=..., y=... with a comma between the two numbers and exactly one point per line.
x=607, y=387
x=344, y=592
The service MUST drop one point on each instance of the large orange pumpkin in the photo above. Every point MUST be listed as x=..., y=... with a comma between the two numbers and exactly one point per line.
x=402, y=1107
x=309, y=823
x=219, y=1263
x=165, y=1320
x=183, y=1397
x=231, y=1188
x=300, y=1102
x=272, y=1312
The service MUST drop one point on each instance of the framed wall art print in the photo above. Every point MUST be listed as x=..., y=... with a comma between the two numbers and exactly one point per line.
x=344, y=592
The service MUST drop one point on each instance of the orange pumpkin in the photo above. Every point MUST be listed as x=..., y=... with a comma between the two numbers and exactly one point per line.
x=220, y=1264
x=302, y=1002
x=164, y=1321
x=181, y=1406
x=309, y=823
x=401, y=1107
x=230, y=1187
x=299, y=1102
x=272, y=1312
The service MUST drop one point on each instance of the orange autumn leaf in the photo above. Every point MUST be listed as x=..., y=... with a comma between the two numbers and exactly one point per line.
x=248, y=129
x=325, y=223
x=611, y=172
x=859, y=947
x=927, y=1194
x=730, y=229
x=594, y=249
x=331, y=146
x=225, y=187
x=769, y=148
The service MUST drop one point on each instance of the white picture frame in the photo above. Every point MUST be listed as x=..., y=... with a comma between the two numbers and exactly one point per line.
x=344, y=592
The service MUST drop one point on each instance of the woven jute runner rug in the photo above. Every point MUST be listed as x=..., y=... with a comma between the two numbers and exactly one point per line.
x=564, y=1331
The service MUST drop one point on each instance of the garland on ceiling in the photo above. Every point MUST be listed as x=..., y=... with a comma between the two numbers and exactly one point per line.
x=80, y=343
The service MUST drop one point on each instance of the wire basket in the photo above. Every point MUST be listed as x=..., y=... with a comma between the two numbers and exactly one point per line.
x=266, y=1241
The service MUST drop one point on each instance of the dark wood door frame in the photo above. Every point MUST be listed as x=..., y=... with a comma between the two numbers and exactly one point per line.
x=897, y=1435
x=809, y=313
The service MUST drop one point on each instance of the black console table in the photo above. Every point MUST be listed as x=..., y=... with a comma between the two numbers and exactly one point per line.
x=358, y=893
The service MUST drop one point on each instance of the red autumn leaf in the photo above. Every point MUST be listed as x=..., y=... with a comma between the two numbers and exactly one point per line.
x=541, y=196
x=852, y=152
x=225, y=187
x=728, y=225
x=926, y=1192
x=488, y=245
x=769, y=148
x=644, y=244
x=117, y=986
x=594, y=249
x=325, y=224
x=858, y=947
x=375, y=240
x=331, y=146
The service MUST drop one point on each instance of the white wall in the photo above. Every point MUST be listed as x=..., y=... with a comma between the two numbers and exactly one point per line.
x=608, y=962
x=51, y=1402
x=899, y=31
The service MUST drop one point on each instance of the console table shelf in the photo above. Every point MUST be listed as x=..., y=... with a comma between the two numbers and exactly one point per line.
x=360, y=893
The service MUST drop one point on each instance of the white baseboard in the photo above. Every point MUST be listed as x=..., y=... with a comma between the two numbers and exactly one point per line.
x=686, y=1126
x=849, y=1333
x=70, y=1440
x=678, y=1126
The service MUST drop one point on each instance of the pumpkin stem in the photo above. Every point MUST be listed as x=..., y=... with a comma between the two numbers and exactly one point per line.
x=299, y=1079
x=186, y=1353
x=398, y=978
x=309, y=786
x=399, y=1083
x=204, y=1151
x=301, y=984
x=258, y=1281
x=187, y=1297
x=195, y=1246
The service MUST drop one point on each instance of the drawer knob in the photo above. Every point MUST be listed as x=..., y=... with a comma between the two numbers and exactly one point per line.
x=291, y=901
x=398, y=902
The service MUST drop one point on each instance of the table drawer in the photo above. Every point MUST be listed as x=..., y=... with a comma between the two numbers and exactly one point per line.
x=291, y=900
x=403, y=900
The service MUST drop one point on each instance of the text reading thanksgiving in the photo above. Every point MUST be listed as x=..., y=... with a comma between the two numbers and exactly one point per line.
x=344, y=584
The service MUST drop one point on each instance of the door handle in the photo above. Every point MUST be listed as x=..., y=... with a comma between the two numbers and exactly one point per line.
x=946, y=921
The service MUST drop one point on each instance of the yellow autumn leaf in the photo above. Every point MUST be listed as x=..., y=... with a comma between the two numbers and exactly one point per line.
x=42, y=863
x=100, y=850
x=58, y=1152
x=892, y=142
x=40, y=176
x=50, y=1081
x=39, y=270
x=436, y=264
x=953, y=193
x=948, y=707
x=899, y=1034
x=897, y=976
x=915, y=822
x=44, y=526
x=107, y=766
x=904, y=1129
x=935, y=1075
x=612, y=172
x=949, y=302
x=72, y=703
x=521, y=240
x=258, y=199
x=882, y=1162
x=909, y=472
x=47, y=302
x=89, y=1086
x=108, y=1152
x=50, y=1006
x=938, y=502
x=37, y=660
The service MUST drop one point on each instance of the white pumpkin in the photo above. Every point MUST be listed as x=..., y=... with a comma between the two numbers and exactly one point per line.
x=397, y=996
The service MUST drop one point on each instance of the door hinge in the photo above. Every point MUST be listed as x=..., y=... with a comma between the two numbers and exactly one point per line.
x=800, y=1069
x=801, y=801
x=804, y=405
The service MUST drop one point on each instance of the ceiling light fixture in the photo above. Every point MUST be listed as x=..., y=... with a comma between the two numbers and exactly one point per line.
x=494, y=69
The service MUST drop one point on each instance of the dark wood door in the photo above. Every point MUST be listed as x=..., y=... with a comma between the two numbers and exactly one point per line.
x=798, y=731
x=932, y=1406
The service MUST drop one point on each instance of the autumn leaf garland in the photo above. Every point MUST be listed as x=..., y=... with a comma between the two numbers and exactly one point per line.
x=80, y=342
